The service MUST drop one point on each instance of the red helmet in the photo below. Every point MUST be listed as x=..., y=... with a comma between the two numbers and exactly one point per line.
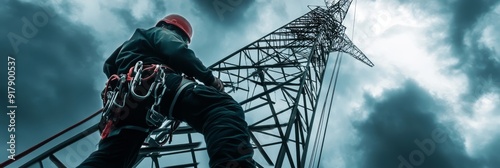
x=180, y=22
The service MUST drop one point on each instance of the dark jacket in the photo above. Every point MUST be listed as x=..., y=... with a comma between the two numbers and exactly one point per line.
x=157, y=46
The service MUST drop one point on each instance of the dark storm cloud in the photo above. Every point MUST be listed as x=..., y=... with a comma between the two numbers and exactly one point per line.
x=228, y=12
x=56, y=65
x=218, y=12
x=402, y=130
x=475, y=59
x=465, y=15
x=131, y=22
x=149, y=20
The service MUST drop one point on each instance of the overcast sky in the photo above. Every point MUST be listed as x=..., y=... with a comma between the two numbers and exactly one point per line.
x=432, y=99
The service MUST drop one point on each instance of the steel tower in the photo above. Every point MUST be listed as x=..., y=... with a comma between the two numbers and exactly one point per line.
x=277, y=79
x=281, y=74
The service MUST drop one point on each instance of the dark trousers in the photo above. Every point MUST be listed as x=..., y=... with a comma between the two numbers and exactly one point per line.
x=214, y=114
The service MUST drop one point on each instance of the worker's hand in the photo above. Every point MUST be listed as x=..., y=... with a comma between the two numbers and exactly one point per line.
x=217, y=84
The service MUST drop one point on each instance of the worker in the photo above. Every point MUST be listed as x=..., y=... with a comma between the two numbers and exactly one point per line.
x=152, y=78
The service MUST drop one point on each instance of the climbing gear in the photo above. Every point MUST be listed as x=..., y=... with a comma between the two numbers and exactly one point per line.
x=113, y=103
x=165, y=134
x=180, y=22
x=123, y=86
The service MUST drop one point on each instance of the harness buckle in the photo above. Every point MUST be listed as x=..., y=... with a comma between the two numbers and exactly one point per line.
x=154, y=118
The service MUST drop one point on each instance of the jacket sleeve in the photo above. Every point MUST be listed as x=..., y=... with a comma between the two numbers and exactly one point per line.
x=179, y=56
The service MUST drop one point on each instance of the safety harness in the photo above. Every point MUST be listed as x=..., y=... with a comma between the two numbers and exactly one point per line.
x=120, y=87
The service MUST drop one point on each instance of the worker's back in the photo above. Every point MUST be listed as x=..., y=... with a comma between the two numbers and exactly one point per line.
x=158, y=45
x=140, y=46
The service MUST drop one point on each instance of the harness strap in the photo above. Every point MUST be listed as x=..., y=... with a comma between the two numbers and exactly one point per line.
x=184, y=83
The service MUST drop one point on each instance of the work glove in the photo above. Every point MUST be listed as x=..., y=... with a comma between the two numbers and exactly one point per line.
x=217, y=84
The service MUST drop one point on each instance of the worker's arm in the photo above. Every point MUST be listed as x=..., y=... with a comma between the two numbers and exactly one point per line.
x=179, y=56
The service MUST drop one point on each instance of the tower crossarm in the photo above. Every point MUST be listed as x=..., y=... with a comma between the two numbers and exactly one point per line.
x=333, y=37
x=345, y=45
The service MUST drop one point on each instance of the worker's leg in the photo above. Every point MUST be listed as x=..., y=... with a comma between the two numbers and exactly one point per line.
x=116, y=151
x=121, y=150
x=222, y=122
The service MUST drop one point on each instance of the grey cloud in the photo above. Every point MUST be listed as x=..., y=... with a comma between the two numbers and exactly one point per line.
x=224, y=22
x=149, y=19
x=132, y=23
x=214, y=12
x=229, y=12
x=465, y=15
x=490, y=155
x=474, y=60
x=400, y=118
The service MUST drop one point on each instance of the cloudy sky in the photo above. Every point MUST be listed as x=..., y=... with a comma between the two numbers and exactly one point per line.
x=432, y=99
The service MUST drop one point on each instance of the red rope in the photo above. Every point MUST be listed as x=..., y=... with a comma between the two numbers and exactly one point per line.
x=148, y=67
x=21, y=155
x=107, y=129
